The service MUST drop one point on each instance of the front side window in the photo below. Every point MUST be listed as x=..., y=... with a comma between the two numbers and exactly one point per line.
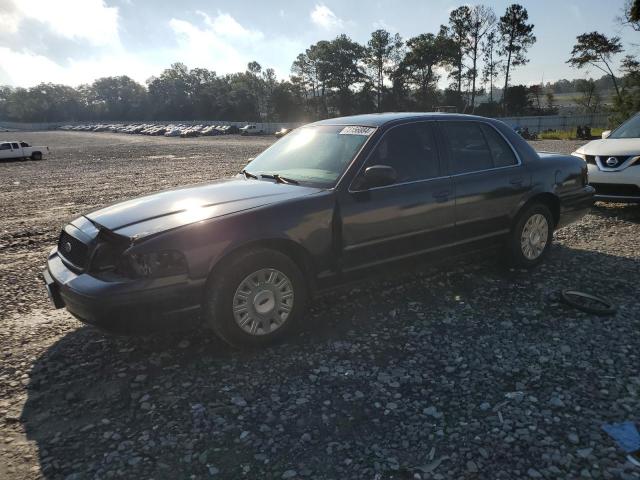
x=15, y=146
x=629, y=129
x=23, y=144
x=411, y=150
x=314, y=154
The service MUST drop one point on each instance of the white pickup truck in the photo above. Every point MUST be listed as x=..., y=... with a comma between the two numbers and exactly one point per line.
x=17, y=149
x=250, y=130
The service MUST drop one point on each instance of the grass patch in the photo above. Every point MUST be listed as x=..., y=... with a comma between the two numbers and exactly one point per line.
x=567, y=134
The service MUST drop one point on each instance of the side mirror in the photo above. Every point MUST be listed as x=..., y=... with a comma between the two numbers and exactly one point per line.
x=379, y=176
x=606, y=133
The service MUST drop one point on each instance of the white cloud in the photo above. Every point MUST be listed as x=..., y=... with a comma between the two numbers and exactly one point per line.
x=36, y=68
x=214, y=45
x=87, y=20
x=226, y=46
x=218, y=42
x=322, y=16
x=226, y=26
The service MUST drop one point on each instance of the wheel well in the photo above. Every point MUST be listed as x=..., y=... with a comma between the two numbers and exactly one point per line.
x=300, y=256
x=548, y=199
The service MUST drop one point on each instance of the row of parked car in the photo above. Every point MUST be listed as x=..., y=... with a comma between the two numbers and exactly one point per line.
x=167, y=130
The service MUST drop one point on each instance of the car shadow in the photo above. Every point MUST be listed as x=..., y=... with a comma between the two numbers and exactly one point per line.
x=139, y=407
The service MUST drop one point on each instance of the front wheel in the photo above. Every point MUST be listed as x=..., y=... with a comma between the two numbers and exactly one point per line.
x=256, y=298
x=531, y=236
x=36, y=156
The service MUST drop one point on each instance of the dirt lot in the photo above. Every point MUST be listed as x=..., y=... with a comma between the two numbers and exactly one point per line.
x=464, y=371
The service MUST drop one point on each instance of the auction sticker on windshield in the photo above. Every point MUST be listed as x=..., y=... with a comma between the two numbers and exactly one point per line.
x=355, y=130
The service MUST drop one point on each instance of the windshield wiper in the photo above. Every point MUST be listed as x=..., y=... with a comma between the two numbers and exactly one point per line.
x=279, y=178
x=248, y=174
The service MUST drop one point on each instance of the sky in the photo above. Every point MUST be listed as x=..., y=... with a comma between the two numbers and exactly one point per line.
x=76, y=41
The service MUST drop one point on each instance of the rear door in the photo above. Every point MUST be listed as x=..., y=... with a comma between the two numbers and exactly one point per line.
x=488, y=177
x=414, y=214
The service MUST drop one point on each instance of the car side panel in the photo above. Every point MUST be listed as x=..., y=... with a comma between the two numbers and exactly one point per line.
x=306, y=221
x=484, y=201
x=561, y=176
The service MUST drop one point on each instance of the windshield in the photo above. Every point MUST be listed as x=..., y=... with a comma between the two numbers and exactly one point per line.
x=629, y=129
x=314, y=154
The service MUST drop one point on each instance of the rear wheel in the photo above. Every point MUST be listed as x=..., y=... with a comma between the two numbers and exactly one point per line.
x=256, y=298
x=531, y=236
x=36, y=156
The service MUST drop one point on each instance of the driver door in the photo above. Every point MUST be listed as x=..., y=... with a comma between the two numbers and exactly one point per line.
x=413, y=215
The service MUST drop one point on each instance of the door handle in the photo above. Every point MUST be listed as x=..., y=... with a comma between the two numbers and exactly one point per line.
x=441, y=196
x=516, y=181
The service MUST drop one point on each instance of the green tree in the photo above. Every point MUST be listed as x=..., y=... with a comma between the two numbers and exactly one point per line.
x=459, y=31
x=341, y=66
x=170, y=94
x=589, y=99
x=117, y=98
x=482, y=23
x=631, y=14
x=597, y=50
x=629, y=101
x=382, y=56
x=515, y=38
x=517, y=100
x=491, y=61
x=425, y=54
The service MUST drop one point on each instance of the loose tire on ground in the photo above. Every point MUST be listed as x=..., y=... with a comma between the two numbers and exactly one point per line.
x=527, y=243
x=227, y=301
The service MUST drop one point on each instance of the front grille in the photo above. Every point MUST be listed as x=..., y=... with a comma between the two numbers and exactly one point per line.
x=619, y=161
x=73, y=250
x=616, y=189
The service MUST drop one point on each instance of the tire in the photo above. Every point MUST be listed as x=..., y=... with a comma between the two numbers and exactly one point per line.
x=249, y=271
x=527, y=251
x=36, y=156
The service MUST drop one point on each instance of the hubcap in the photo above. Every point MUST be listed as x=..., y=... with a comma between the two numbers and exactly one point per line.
x=263, y=301
x=535, y=236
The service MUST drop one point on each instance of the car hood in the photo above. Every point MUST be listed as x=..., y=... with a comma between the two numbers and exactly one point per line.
x=612, y=146
x=151, y=214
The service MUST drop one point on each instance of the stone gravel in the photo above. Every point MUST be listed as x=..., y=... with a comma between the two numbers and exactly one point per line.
x=462, y=370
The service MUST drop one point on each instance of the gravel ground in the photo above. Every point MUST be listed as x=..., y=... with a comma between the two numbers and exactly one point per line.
x=460, y=371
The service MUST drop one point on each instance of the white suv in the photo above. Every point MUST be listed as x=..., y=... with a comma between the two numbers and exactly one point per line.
x=614, y=163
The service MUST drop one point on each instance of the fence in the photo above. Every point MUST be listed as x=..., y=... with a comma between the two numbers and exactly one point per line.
x=265, y=127
x=534, y=124
x=558, y=122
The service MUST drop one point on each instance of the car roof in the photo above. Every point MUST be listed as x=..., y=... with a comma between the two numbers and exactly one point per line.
x=381, y=119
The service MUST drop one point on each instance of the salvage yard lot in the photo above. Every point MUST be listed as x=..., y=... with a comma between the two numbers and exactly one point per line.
x=465, y=370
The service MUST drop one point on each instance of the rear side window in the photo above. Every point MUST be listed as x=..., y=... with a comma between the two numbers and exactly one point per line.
x=475, y=147
x=467, y=146
x=501, y=152
x=5, y=146
x=410, y=150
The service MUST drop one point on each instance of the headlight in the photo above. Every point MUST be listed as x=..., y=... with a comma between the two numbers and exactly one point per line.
x=156, y=264
x=579, y=155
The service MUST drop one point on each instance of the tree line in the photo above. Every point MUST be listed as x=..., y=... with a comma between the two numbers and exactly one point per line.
x=475, y=53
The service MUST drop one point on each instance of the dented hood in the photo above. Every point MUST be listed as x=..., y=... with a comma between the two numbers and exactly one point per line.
x=151, y=214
